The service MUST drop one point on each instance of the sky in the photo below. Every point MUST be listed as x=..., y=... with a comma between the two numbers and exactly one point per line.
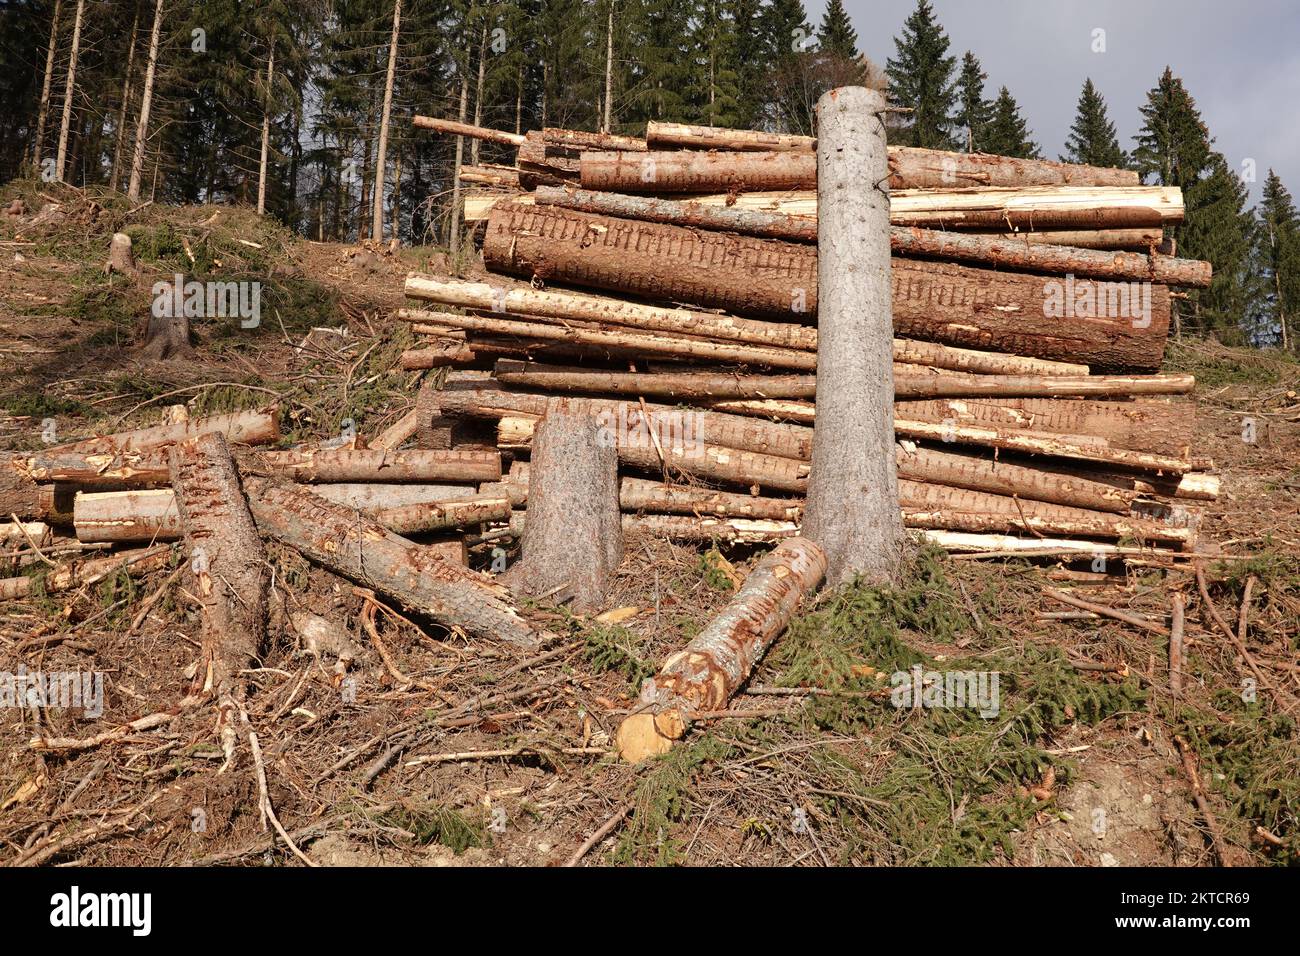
x=1239, y=60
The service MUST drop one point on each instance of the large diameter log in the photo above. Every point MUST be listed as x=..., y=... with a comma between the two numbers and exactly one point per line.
x=105, y=470
x=620, y=341
x=118, y=516
x=354, y=464
x=438, y=357
x=227, y=559
x=904, y=240
x=915, y=168
x=711, y=668
x=574, y=540
x=241, y=428
x=1039, y=207
x=1110, y=326
x=453, y=128
x=362, y=550
x=852, y=510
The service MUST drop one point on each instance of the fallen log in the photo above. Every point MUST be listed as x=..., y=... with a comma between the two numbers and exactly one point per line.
x=918, y=168
x=363, y=551
x=1000, y=545
x=581, y=139
x=104, y=470
x=227, y=560
x=370, y=496
x=1141, y=239
x=922, y=384
x=438, y=515
x=574, y=540
x=711, y=668
x=76, y=574
x=415, y=359
x=356, y=464
x=654, y=497
x=120, y=516
x=982, y=250
x=242, y=428
x=506, y=177
x=453, y=128
x=955, y=305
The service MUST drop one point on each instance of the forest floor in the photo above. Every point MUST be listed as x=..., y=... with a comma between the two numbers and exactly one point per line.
x=1080, y=766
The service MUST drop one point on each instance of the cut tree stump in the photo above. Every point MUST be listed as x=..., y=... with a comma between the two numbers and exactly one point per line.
x=704, y=675
x=227, y=559
x=120, y=257
x=574, y=537
x=360, y=549
x=852, y=509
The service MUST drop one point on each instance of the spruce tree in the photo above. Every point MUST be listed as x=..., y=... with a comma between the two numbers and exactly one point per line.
x=973, y=110
x=1220, y=228
x=1276, y=265
x=1173, y=147
x=836, y=35
x=787, y=40
x=748, y=56
x=1007, y=133
x=920, y=78
x=1092, y=140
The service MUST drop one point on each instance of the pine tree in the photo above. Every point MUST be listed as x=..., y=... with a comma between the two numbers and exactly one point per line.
x=836, y=35
x=748, y=54
x=973, y=110
x=1007, y=134
x=920, y=78
x=1174, y=144
x=1092, y=139
x=1276, y=265
x=1220, y=229
x=717, y=82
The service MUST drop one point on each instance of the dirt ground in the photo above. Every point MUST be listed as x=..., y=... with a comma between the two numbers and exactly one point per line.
x=387, y=761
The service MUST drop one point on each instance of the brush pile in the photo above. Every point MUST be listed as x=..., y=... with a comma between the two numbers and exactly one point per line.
x=669, y=286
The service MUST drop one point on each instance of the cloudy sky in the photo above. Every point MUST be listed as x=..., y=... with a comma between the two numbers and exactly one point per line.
x=1239, y=60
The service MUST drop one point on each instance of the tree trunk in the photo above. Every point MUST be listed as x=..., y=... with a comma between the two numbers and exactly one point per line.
x=852, y=508
x=574, y=541
x=478, y=91
x=146, y=102
x=252, y=427
x=43, y=113
x=381, y=157
x=69, y=88
x=119, y=138
x=453, y=241
x=462, y=128
x=409, y=466
x=362, y=550
x=607, y=120
x=120, y=257
x=165, y=337
x=230, y=569
x=264, y=164
x=710, y=669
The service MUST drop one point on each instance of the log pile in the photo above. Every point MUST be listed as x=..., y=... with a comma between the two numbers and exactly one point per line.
x=668, y=286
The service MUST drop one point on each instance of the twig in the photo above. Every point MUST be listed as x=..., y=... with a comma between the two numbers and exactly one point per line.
x=1106, y=611
x=1240, y=645
x=264, y=799
x=1198, y=794
x=30, y=543
x=153, y=599
x=512, y=752
x=1176, y=653
x=605, y=830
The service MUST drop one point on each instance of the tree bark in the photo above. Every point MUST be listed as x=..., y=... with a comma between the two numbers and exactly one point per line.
x=229, y=565
x=478, y=91
x=120, y=257
x=711, y=668
x=381, y=157
x=253, y=427
x=461, y=128
x=453, y=239
x=852, y=510
x=410, y=466
x=70, y=86
x=574, y=541
x=362, y=550
x=43, y=113
x=607, y=120
x=146, y=102
x=264, y=163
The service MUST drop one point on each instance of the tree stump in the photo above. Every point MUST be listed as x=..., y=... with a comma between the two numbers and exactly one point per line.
x=121, y=259
x=573, y=540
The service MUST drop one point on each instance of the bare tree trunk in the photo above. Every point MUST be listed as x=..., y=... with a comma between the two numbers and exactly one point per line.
x=377, y=225
x=397, y=197
x=146, y=101
x=853, y=487
x=120, y=136
x=519, y=102
x=68, y=89
x=478, y=94
x=266, y=133
x=453, y=238
x=44, y=112
x=609, y=71
x=574, y=540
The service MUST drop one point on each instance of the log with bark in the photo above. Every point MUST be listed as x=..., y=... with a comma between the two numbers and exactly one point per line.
x=362, y=550
x=1111, y=326
x=227, y=560
x=253, y=427
x=356, y=464
x=705, y=674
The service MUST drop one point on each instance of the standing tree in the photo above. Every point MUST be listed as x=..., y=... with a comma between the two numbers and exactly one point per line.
x=381, y=155
x=69, y=88
x=39, y=138
x=973, y=111
x=1276, y=263
x=1092, y=139
x=836, y=35
x=146, y=101
x=920, y=79
x=1007, y=133
x=786, y=39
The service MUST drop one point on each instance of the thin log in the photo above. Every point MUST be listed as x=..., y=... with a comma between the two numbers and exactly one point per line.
x=453, y=128
x=1177, y=654
x=256, y=427
x=581, y=139
x=363, y=551
x=442, y=357
x=231, y=573
x=69, y=576
x=920, y=384
x=119, y=516
x=711, y=668
x=438, y=515
x=356, y=464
